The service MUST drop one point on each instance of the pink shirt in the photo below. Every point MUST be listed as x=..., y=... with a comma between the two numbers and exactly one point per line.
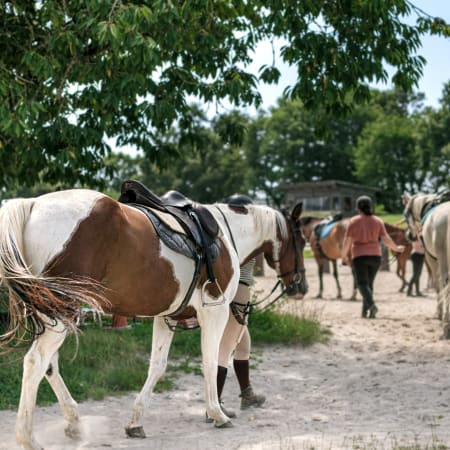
x=365, y=232
x=417, y=247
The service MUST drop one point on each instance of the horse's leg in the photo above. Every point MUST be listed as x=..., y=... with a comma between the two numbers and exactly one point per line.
x=161, y=340
x=336, y=277
x=35, y=365
x=320, y=272
x=444, y=278
x=433, y=265
x=355, y=285
x=213, y=320
x=68, y=405
x=401, y=265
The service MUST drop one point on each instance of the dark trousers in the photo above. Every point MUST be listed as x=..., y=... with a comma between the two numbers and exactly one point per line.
x=417, y=260
x=366, y=267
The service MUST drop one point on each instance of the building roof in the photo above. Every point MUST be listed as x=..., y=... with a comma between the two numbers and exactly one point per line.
x=326, y=184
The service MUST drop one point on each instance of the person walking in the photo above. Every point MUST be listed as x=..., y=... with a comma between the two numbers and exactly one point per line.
x=362, y=243
x=417, y=259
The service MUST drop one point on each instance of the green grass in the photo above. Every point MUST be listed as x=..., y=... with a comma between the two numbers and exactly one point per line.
x=115, y=362
x=392, y=218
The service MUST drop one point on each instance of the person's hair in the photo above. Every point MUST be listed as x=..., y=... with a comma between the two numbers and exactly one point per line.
x=364, y=203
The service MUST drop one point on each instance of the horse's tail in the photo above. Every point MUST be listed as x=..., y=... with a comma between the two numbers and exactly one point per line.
x=36, y=301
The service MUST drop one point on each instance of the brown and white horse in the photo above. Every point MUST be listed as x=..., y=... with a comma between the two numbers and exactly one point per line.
x=428, y=218
x=327, y=248
x=79, y=247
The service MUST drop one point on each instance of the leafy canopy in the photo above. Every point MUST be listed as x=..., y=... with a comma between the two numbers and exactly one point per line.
x=74, y=72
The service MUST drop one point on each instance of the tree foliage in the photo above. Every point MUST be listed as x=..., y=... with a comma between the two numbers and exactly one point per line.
x=73, y=73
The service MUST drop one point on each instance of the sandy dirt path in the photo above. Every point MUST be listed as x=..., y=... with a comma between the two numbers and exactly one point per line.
x=377, y=384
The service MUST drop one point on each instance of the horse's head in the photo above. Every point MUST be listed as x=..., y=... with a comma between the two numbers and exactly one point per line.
x=289, y=262
x=307, y=225
x=414, y=212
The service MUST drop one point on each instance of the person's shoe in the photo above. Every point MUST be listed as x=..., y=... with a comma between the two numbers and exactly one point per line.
x=230, y=414
x=364, y=312
x=373, y=312
x=409, y=292
x=420, y=294
x=249, y=398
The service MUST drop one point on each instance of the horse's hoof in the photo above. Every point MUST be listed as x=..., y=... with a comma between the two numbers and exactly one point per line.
x=227, y=424
x=446, y=332
x=72, y=432
x=135, y=432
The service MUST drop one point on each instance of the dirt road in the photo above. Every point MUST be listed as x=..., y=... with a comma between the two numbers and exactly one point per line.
x=378, y=384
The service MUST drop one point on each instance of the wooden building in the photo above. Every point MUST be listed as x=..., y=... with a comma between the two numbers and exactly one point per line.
x=329, y=196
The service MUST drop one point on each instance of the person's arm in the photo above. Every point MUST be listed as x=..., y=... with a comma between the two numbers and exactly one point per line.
x=345, y=252
x=388, y=242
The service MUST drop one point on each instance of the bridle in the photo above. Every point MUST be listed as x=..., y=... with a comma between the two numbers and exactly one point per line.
x=299, y=273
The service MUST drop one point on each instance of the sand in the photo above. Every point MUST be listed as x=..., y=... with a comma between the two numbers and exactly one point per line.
x=377, y=384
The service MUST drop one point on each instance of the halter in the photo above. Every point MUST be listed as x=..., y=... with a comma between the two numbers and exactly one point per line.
x=299, y=274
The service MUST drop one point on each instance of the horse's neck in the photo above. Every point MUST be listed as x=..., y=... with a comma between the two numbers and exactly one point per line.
x=250, y=239
x=420, y=202
x=247, y=232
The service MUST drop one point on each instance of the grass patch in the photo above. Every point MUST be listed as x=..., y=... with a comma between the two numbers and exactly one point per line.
x=270, y=327
x=116, y=362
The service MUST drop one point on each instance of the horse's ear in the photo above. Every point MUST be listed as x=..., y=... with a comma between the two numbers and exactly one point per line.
x=297, y=211
x=405, y=198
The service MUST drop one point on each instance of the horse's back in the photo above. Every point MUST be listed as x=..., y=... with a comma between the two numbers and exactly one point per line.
x=332, y=243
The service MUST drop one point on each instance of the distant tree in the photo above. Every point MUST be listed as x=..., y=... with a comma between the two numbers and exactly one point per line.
x=434, y=143
x=211, y=170
x=386, y=158
x=74, y=72
x=288, y=147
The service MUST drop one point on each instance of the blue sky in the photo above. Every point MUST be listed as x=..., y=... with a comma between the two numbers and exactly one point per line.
x=436, y=51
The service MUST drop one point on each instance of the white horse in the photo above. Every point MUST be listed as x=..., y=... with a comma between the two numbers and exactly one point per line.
x=63, y=250
x=428, y=218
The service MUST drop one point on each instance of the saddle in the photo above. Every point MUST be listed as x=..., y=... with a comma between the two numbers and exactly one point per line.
x=323, y=229
x=440, y=198
x=198, y=223
x=201, y=230
x=186, y=211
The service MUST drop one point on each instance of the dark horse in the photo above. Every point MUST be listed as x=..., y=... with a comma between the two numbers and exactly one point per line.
x=67, y=249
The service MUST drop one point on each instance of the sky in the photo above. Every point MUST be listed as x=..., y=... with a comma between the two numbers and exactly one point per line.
x=435, y=49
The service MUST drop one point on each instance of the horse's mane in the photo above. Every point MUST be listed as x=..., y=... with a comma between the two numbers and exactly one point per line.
x=306, y=220
x=269, y=227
